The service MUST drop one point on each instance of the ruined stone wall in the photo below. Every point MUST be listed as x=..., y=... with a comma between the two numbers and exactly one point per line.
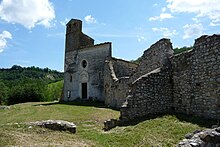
x=190, y=85
x=196, y=78
x=116, y=77
x=151, y=85
x=155, y=57
x=150, y=94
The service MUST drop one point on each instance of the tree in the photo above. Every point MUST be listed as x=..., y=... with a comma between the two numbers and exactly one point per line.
x=27, y=91
x=3, y=93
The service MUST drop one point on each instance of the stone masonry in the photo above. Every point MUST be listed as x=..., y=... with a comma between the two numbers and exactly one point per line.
x=187, y=83
x=196, y=79
x=151, y=93
x=116, y=83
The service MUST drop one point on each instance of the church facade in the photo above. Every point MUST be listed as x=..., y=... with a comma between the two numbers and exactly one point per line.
x=84, y=64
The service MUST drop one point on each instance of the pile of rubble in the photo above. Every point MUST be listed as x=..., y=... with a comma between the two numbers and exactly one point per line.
x=206, y=138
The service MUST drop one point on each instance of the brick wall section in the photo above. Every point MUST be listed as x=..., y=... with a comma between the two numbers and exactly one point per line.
x=196, y=77
x=116, y=77
x=151, y=94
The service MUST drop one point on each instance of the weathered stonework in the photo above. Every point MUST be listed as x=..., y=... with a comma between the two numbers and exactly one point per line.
x=155, y=57
x=116, y=83
x=187, y=83
x=206, y=138
x=84, y=62
x=196, y=79
x=150, y=94
x=59, y=125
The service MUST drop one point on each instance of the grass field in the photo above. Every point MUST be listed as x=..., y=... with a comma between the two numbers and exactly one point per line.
x=165, y=130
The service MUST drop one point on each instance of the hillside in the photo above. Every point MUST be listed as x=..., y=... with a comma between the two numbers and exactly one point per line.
x=18, y=73
x=165, y=130
x=29, y=84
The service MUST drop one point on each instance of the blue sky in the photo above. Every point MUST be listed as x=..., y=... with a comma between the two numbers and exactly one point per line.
x=32, y=32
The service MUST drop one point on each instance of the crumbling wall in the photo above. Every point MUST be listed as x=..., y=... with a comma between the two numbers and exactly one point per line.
x=155, y=57
x=116, y=77
x=150, y=94
x=151, y=87
x=196, y=78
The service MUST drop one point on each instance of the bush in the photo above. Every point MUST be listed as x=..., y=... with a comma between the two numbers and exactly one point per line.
x=3, y=93
x=27, y=91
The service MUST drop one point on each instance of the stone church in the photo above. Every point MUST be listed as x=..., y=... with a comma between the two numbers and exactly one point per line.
x=84, y=64
x=162, y=82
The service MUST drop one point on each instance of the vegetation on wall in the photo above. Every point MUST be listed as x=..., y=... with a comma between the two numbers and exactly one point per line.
x=29, y=84
x=182, y=49
x=176, y=51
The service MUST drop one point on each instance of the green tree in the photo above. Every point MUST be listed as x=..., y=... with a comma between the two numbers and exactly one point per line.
x=3, y=93
x=27, y=91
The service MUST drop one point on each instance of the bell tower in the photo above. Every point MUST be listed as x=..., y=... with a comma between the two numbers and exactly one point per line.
x=73, y=32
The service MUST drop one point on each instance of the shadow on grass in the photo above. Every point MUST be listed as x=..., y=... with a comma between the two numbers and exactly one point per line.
x=200, y=121
x=88, y=103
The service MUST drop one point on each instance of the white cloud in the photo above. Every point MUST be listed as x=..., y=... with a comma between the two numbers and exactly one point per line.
x=90, y=19
x=141, y=38
x=161, y=17
x=3, y=42
x=192, y=30
x=202, y=8
x=165, y=31
x=64, y=22
x=163, y=9
x=155, y=5
x=27, y=12
x=195, y=19
x=215, y=22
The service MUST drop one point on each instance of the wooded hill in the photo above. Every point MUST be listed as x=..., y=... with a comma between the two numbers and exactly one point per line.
x=24, y=84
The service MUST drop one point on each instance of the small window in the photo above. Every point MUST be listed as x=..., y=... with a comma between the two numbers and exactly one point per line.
x=100, y=75
x=68, y=94
x=71, y=78
x=84, y=63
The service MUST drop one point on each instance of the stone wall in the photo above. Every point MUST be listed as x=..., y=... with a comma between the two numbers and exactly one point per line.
x=151, y=85
x=150, y=94
x=155, y=57
x=116, y=77
x=85, y=40
x=187, y=83
x=196, y=78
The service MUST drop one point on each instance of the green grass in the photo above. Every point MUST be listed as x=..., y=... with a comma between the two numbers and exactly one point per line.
x=165, y=130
